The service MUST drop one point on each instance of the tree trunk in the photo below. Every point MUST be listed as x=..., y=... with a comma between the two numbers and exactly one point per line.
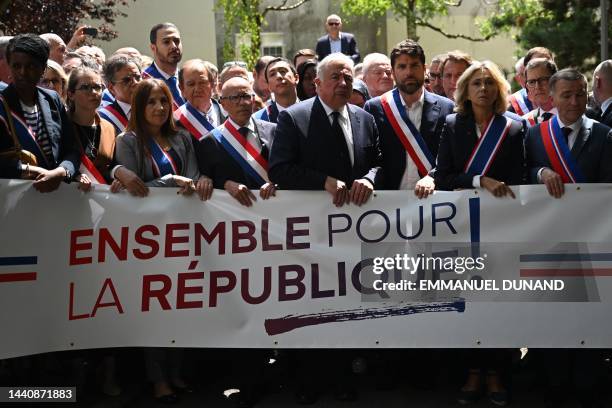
x=411, y=26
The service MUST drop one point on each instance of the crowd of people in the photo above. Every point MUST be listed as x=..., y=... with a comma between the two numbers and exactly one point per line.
x=321, y=121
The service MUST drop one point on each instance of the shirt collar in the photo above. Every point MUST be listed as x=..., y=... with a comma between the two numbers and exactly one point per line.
x=163, y=74
x=250, y=125
x=339, y=37
x=418, y=103
x=328, y=110
x=126, y=107
x=605, y=104
x=575, y=126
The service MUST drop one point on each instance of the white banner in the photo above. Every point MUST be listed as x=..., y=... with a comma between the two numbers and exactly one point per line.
x=89, y=270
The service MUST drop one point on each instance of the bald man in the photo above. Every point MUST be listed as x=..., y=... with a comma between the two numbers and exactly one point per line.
x=602, y=93
x=337, y=41
x=222, y=155
x=57, y=47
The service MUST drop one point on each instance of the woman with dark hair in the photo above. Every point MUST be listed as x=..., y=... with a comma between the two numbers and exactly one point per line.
x=483, y=149
x=307, y=72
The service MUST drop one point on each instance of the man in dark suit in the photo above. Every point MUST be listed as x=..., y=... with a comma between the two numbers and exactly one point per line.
x=34, y=120
x=325, y=143
x=336, y=41
x=602, y=93
x=589, y=142
x=121, y=75
x=424, y=110
x=221, y=155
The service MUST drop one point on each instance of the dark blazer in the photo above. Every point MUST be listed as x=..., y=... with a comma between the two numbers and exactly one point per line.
x=348, y=46
x=435, y=110
x=59, y=129
x=592, y=152
x=215, y=162
x=602, y=117
x=305, y=153
x=457, y=142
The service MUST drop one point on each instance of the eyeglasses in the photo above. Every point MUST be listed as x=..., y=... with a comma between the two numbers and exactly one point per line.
x=126, y=80
x=50, y=81
x=241, y=64
x=537, y=81
x=333, y=24
x=434, y=75
x=90, y=88
x=238, y=98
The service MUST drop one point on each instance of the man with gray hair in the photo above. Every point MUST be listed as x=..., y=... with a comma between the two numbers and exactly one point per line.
x=377, y=74
x=5, y=72
x=337, y=41
x=57, y=47
x=569, y=148
x=602, y=92
x=324, y=143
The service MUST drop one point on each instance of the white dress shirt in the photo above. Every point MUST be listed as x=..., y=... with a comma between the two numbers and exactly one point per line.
x=125, y=107
x=415, y=113
x=336, y=45
x=345, y=124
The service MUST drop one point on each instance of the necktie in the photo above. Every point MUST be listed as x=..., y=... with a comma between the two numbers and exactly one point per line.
x=244, y=131
x=566, y=133
x=342, y=148
x=546, y=116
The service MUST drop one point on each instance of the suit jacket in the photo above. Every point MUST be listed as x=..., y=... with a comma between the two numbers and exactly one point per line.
x=435, y=110
x=216, y=163
x=598, y=115
x=592, y=152
x=457, y=143
x=59, y=130
x=128, y=153
x=348, y=46
x=304, y=152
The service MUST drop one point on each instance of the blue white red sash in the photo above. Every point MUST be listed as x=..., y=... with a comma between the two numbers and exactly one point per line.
x=161, y=161
x=107, y=98
x=531, y=118
x=520, y=102
x=248, y=156
x=406, y=132
x=488, y=146
x=558, y=152
x=193, y=120
x=177, y=99
x=25, y=135
x=87, y=167
x=115, y=117
x=269, y=113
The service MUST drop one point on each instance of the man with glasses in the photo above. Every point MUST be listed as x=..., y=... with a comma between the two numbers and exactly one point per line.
x=282, y=80
x=377, y=74
x=121, y=74
x=200, y=114
x=435, y=74
x=167, y=49
x=337, y=41
x=537, y=75
x=36, y=137
x=235, y=154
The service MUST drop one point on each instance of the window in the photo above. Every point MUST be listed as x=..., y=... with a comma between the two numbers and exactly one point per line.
x=276, y=51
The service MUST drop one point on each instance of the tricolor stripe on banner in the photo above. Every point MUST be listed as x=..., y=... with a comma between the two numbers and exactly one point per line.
x=558, y=152
x=565, y=265
x=247, y=155
x=7, y=277
x=407, y=133
x=488, y=146
x=119, y=121
x=193, y=120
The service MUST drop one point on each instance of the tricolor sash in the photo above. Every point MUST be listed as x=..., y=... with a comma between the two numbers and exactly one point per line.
x=24, y=133
x=406, y=132
x=246, y=155
x=161, y=161
x=558, y=152
x=87, y=167
x=520, y=102
x=107, y=98
x=269, y=113
x=177, y=99
x=193, y=120
x=115, y=117
x=531, y=118
x=488, y=146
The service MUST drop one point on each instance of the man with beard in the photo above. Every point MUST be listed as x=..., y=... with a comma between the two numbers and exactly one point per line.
x=200, y=114
x=167, y=51
x=282, y=80
x=410, y=120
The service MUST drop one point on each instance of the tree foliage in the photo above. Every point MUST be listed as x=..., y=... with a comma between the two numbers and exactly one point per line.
x=247, y=17
x=570, y=28
x=59, y=16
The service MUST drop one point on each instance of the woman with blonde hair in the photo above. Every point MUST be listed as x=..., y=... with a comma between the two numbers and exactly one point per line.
x=482, y=148
x=55, y=79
